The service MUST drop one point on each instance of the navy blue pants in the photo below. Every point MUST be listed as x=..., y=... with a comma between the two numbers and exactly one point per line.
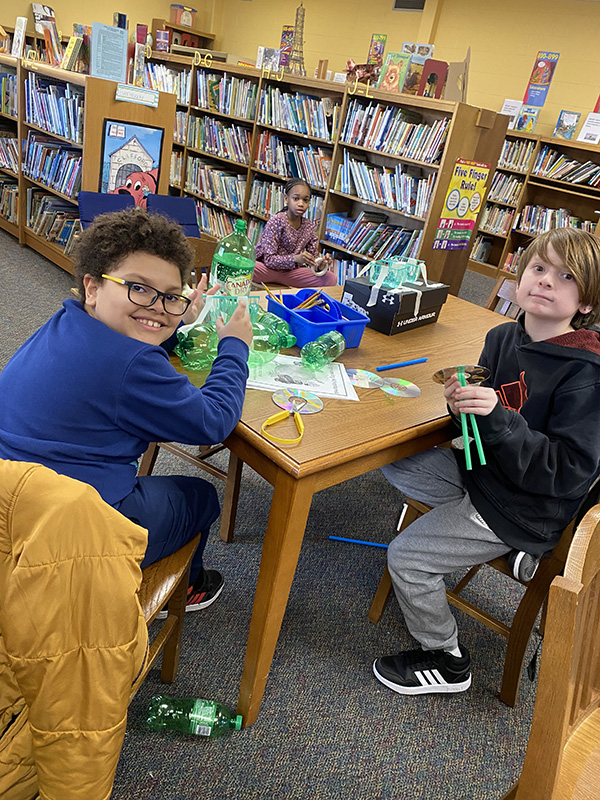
x=173, y=509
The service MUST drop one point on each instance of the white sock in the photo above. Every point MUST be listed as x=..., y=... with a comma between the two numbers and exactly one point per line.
x=455, y=652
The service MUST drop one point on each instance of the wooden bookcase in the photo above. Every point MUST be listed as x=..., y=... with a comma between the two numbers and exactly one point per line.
x=205, y=40
x=473, y=134
x=537, y=190
x=99, y=104
x=9, y=124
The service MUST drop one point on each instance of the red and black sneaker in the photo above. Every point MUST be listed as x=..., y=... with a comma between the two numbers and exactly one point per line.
x=206, y=589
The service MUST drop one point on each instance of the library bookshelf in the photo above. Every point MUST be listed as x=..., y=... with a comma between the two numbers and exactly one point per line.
x=540, y=183
x=63, y=150
x=183, y=33
x=9, y=147
x=248, y=132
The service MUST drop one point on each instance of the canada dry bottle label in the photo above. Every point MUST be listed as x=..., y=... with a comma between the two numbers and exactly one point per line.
x=233, y=273
x=202, y=717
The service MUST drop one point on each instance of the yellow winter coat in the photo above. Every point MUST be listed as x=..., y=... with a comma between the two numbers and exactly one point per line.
x=72, y=634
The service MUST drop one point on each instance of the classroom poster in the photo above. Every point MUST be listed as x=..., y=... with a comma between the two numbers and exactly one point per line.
x=462, y=204
x=130, y=162
x=541, y=78
x=287, y=39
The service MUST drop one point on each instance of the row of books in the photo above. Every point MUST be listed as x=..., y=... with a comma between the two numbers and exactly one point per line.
x=9, y=151
x=300, y=113
x=226, y=94
x=217, y=185
x=496, y=219
x=481, y=249
x=344, y=268
x=395, y=130
x=506, y=188
x=9, y=199
x=52, y=163
x=398, y=187
x=371, y=235
x=173, y=81
x=52, y=218
x=516, y=154
x=268, y=198
x=180, y=132
x=551, y=163
x=214, y=136
x=539, y=219
x=55, y=106
x=511, y=263
x=288, y=160
x=214, y=221
x=176, y=169
x=255, y=230
x=8, y=92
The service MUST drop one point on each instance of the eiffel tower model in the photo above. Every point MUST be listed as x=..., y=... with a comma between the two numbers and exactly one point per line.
x=296, y=62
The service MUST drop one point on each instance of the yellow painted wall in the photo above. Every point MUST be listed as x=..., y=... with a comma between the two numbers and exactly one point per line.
x=504, y=36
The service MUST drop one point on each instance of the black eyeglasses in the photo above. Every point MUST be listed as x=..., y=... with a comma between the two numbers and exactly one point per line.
x=143, y=295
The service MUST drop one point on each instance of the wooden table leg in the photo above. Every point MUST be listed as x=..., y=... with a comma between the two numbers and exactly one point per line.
x=232, y=493
x=281, y=548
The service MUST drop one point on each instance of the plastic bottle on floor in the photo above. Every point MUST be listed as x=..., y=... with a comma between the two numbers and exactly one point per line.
x=233, y=263
x=323, y=350
x=192, y=715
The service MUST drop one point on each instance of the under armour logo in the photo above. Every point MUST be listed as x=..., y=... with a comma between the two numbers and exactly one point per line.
x=388, y=298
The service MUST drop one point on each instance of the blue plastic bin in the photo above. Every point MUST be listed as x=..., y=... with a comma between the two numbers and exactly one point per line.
x=307, y=325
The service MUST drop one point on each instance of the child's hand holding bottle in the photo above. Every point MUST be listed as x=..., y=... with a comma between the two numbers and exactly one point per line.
x=239, y=325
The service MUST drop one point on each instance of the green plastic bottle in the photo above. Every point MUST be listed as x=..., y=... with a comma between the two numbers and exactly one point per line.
x=323, y=350
x=280, y=326
x=197, y=348
x=233, y=263
x=192, y=715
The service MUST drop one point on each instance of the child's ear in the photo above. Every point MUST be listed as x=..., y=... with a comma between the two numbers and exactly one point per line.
x=90, y=288
x=585, y=309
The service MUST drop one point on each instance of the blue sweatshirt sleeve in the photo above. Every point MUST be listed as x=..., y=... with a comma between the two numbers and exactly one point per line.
x=157, y=403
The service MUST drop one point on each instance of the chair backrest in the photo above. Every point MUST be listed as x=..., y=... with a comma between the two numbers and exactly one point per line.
x=503, y=297
x=567, y=708
x=179, y=209
x=92, y=204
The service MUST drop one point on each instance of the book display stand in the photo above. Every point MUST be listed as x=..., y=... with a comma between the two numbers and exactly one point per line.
x=540, y=183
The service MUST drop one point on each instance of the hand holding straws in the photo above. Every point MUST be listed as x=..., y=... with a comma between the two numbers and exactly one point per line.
x=460, y=374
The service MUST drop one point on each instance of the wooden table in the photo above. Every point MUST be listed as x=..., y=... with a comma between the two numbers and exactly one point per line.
x=344, y=440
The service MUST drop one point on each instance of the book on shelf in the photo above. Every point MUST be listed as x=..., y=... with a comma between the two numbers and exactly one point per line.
x=419, y=52
x=505, y=188
x=516, y=154
x=226, y=94
x=377, y=48
x=482, y=247
x=8, y=91
x=216, y=137
x=52, y=163
x=9, y=198
x=9, y=149
x=55, y=106
x=162, y=78
x=18, y=42
x=566, y=124
x=535, y=219
x=268, y=58
x=83, y=32
x=393, y=73
x=71, y=53
x=511, y=263
x=527, y=119
x=215, y=185
x=298, y=113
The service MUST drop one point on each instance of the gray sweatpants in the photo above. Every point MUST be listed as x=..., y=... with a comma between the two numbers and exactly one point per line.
x=449, y=537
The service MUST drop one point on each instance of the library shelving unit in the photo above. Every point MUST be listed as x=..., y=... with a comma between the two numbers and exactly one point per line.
x=559, y=186
x=205, y=40
x=61, y=117
x=9, y=145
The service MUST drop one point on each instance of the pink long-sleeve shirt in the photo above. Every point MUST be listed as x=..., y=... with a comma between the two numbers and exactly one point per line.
x=280, y=242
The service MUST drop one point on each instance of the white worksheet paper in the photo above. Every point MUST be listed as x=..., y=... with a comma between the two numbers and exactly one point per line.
x=287, y=372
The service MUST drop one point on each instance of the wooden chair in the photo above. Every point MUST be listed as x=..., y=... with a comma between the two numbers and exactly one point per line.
x=503, y=297
x=563, y=753
x=166, y=582
x=519, y=631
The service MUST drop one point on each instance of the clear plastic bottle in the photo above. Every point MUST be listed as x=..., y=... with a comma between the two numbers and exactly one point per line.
x=265, y=344
x=192, y=715
x=197, y=348
x=233, y=263
x=323, y=350
x=280, y=326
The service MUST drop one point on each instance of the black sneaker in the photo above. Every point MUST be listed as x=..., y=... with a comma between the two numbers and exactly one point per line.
x=425, y=671
x=523, y=565
x=206, y=589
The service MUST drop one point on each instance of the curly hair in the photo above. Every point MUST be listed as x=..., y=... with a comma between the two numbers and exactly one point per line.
x=114, y=236
x=580, y=253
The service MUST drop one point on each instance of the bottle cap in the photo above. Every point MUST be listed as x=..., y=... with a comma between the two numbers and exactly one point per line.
x=238, y=722
x=240, y=225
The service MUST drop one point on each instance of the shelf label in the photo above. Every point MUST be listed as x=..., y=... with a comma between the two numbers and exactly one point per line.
x=135, y=94
x=461, y=205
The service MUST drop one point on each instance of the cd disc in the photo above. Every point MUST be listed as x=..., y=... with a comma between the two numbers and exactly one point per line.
x=365, y=379
x=474, y=373
x=400, y=388
x=283, y=399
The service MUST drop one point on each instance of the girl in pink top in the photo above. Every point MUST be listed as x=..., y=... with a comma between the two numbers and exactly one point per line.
x=288, y=250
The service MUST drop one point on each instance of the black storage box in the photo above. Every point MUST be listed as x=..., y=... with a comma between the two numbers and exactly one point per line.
x=393, y=313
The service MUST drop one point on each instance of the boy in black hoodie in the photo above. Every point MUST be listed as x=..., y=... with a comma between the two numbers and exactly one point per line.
x=539, y=419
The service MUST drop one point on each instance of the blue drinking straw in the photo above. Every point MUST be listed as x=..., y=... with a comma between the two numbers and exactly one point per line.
x=357, y=541
x=400, y=364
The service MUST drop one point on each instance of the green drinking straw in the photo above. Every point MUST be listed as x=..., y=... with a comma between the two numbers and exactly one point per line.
x=460, y=374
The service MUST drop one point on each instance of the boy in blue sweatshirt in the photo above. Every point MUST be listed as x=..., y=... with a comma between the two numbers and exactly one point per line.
x=539, y=419
x=88, y=392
